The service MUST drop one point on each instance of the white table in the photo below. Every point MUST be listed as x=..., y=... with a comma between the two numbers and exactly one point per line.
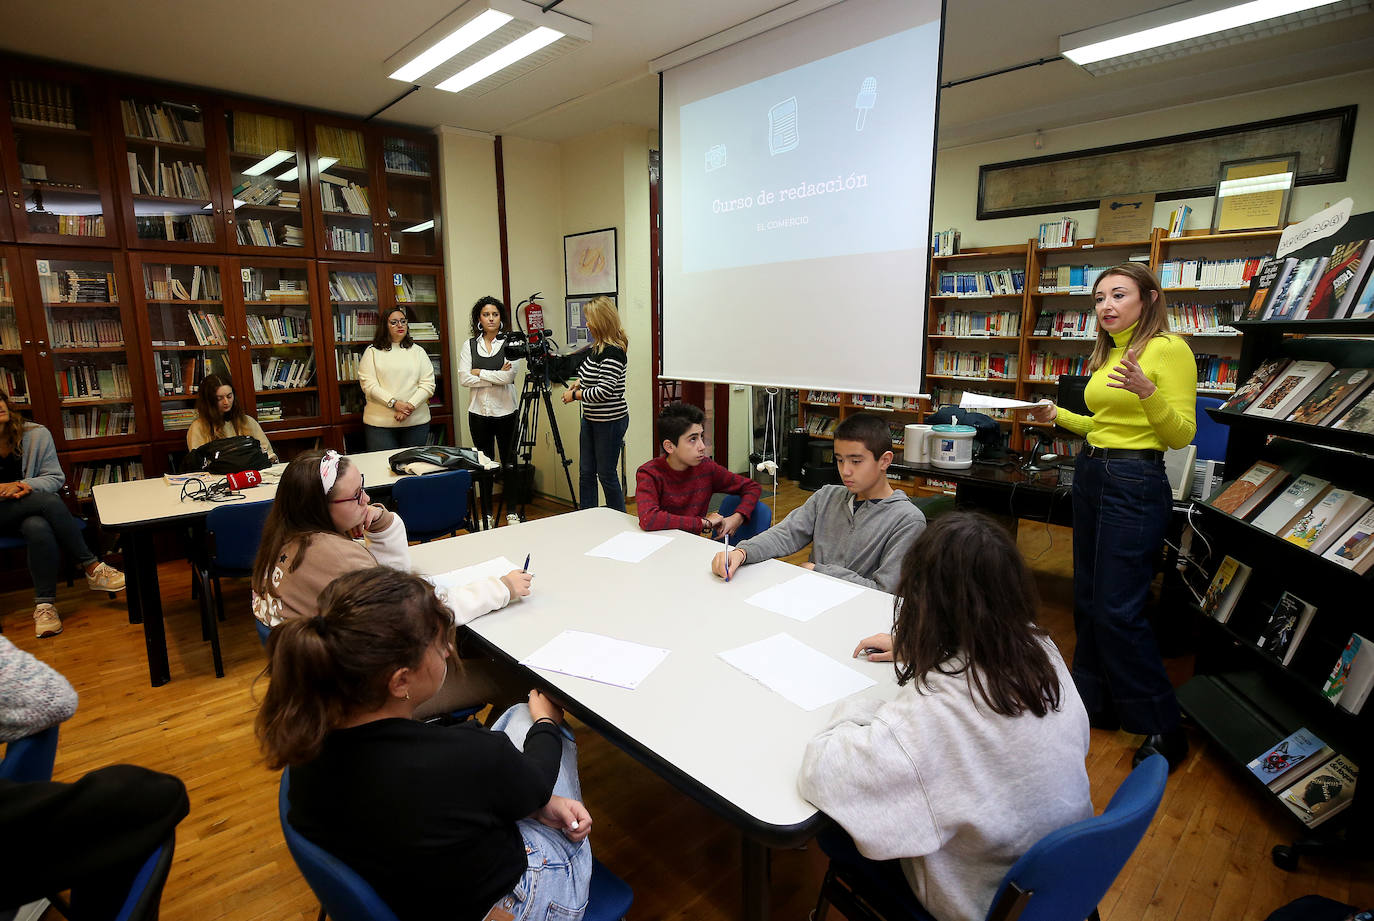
x=710, y=730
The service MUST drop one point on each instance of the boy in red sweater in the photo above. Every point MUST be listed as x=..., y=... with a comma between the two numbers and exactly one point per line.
x=674, y=490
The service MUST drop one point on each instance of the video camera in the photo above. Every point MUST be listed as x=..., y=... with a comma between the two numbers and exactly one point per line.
x=539, y=350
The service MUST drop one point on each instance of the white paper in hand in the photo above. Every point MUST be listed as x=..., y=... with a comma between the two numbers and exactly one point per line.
x=448, y=581
x=804, y=597
x=629, y=546
x=807, y=678
x=597, y=658
x=982, y=401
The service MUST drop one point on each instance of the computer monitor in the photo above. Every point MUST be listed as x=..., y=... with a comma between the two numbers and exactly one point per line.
x=1070, y=394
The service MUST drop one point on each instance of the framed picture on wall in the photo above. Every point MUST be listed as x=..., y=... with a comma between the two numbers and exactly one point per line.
x=1254, y=194
x=589, y=262
x=578, y=336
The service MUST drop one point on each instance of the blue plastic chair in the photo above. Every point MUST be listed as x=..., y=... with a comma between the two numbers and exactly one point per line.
x=346, y=896
x=433, y=505
x=1211, y=435
x=232, y=534
x=758, y=522
x=30, y=759
x=145, y=894
x=1062, y=877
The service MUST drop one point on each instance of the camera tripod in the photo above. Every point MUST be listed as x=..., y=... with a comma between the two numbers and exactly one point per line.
x=537, y=389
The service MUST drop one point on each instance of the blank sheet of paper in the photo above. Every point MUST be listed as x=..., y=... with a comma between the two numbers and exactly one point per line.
x=630, y=546
x=459, y=577
x=597, y=658
x=983, y=401
x=805, y=596
x=807, y=678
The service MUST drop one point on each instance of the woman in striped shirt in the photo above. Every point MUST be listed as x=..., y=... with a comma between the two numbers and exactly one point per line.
x=605, y=416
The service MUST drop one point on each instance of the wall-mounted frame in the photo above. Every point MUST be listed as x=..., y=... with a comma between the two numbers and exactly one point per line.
x=589, y=262
x=1181, y=166
x=578, y=335
x=1254, y=194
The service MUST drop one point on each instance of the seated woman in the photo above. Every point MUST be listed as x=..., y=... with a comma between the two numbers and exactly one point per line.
x=456, y=821
x=30, y=508
x=982, y=752
x=311, y=537
x=218, y=415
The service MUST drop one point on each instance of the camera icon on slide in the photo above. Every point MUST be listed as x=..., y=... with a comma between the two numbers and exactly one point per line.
x=715, y=157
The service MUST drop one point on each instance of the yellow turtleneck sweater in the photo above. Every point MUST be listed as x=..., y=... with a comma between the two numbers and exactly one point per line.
x=1163, y=420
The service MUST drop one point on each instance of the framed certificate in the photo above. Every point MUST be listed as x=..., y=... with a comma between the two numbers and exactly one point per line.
x=1254, y=194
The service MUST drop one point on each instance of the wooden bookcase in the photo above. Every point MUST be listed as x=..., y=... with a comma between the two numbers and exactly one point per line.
x=267, y=199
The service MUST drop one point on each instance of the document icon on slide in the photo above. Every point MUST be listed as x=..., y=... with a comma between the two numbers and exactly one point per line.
x=715, y=157
x=782, y=127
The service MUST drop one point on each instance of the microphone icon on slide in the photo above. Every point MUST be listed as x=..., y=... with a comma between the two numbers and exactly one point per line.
x=868, y=97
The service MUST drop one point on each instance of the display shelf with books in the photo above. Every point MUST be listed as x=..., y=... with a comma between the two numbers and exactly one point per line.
x=16, y=361
x=410, y=182
x=343, y=156
x=420, y=292
x=279, y=350
x=265, y=166
x=54, y=148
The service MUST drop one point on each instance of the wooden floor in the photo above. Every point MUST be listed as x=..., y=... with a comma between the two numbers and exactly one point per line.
x=1206, y=856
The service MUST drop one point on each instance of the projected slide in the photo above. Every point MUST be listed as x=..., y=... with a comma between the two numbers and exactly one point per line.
x=812, y=162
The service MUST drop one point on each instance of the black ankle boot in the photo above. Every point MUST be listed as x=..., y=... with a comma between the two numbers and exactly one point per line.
x=1173, y=745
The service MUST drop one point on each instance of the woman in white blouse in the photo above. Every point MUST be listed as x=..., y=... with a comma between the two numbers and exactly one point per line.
x=483, y=368
x=398, y=380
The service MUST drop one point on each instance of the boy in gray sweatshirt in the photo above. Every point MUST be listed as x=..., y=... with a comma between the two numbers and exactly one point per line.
x=858, y=532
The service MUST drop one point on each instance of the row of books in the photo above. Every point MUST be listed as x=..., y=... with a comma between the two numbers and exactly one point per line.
x=186, y=228
x=1178, y=219
x=287, y=290
x=40, y=102
x=88, y=476
x=353, y=286
x=1309, y=777
x=346, y=364
x=78, y=286
x=944, y=242
x=1334, y=522
x=6, y=288
x=282, y=330
x=169, y=180
x=415, y=289
x=84, y=381
x=1310, y=392
x=174, y=418
x=177, y=375
x=978, y=323
x=981, y=283
x=1331, y=287
x=283, y=373
x=885, y=402
x=1047, y=366
x=1204, y=318
x=338, y=195
x=343, y=240
x=164, y=283
x=9, y=332
x=821, y=424
x=1062, y=232
x=1208, y=273
x=208, y=328
x=1069, y=279
x=255, y=232
x=97, y=422
x=344, y=145
x=1064, y=447
x=1216, y=372
x=424, y=332
x=163, y=122
x=897, y=433
x=68, y=225
x=263, y=190
x=404, y=157
x=13, y=382
x=1067, y=324
x=269, y=412
x=355, y=325
x=975, y=365
x=825, y=397
x=259, y=135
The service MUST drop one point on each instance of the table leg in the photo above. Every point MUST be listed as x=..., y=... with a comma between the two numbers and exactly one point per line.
x=133, y=597
x=755, y=861
x=150, y=604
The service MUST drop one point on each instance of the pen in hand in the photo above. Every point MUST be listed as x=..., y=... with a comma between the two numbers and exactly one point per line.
x=526, y=567
x=727, y=557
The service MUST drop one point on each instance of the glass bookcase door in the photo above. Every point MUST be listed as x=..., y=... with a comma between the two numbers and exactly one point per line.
x=93, y=382
x=14, y=376
x=412, y=224
x=59, y=176
x=171, y=177
x=7, y=203
x=343, y=174
x=353, y=313
x=419, y=293
x=281, y=347
x=188, y=332
x=266, y=176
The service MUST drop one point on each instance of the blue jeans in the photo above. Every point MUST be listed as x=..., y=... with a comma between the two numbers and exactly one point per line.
x=1120, y=511
x=385, y=438
x=600, y=447
x=45, y=524
x=558, y=873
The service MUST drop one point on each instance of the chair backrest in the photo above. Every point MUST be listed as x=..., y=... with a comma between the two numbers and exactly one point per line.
x=757, y=523
x=1211, y=435
x=1067, y=872
x=433, y=504
x=344, y=895
x=30, y=759
x=145, y=894
x=234, y=531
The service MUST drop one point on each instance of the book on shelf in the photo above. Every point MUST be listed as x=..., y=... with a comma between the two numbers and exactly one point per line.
x=1251, y=489
x=1294, y=757
x=1060, y=233
x=944, y=242
x=1342, y=267
x=1325, y=792
x=1208, y=273
x=1358, y=417
x=1221, y=596
x=978, y=323
x=1294, y=292
x=981, y=283
x=1320, y=524
x=1290, y=388
x=1354, y=549
x=1286, y=626
x=1216, y=372
x=1270, y=273
x=1207, y=478
x=1069, y=279
x=1351, y=679
x=1178, y=219
x=1258, y=382
x=1291, y=504
x=1195, y=319
x=1362, y=307
x=1333, y=396
x=163, y=121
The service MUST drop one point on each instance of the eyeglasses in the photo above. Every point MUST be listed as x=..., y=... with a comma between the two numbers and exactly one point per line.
x=395, y=322
x=356, y=497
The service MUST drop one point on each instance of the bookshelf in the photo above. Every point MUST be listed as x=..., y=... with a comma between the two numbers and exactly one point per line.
x=410, y=188
x=16, y=336
x=267, y=197
x=280, y=346
x=7, y=203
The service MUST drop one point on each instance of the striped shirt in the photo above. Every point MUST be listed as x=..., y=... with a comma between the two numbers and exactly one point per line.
x=602, y=377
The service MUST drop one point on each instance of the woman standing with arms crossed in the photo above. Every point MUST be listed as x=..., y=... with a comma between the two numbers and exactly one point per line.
x=397, y=380
x=1142, y=394
x=605, y=416
x=483, y=369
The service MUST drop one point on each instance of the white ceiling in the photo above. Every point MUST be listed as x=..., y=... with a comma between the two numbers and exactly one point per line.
x=330, y=54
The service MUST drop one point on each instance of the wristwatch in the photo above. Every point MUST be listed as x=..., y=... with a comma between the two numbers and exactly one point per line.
x=391, y=403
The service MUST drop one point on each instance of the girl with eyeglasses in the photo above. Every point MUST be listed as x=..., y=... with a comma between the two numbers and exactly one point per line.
x=397, y=378
x=323, y=525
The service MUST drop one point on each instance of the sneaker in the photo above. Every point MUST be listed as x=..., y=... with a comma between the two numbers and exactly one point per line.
x=512, y=518
x=105, y=579
x=491, y=523
x=45, y=621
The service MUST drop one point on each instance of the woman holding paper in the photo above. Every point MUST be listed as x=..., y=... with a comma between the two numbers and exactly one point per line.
x=323, y=525
x=1142, y=394
x=442, y=821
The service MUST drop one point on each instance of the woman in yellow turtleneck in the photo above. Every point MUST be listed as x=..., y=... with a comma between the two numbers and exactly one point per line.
x=1142, y=394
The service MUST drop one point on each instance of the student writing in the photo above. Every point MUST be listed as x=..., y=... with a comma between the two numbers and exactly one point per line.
x=674, y=490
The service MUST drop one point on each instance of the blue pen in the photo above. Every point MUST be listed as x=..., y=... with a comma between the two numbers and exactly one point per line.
x=526, y=567
x=727, y=557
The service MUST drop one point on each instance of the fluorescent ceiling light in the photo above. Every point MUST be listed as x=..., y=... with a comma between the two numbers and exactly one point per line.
x=267, y=162
x=418, y=227
x=1274, y=182
x=452, y=44
x=523, y=46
